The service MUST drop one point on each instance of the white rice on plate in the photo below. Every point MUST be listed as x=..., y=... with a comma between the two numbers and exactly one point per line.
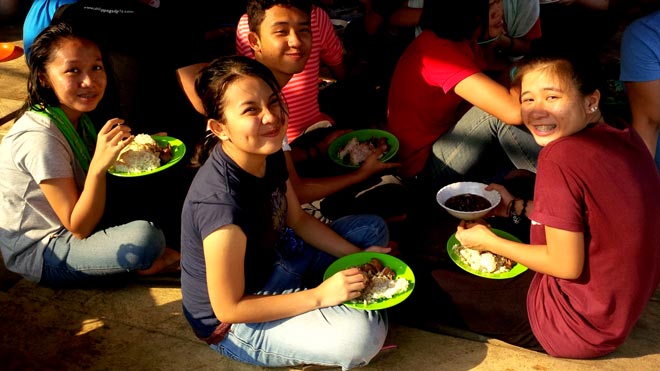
x=486, y=261
x=355, y=152
x=142, y=154
x=382, y=287
x=381, y=282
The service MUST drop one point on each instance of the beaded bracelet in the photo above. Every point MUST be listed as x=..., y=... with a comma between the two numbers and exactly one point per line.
x=517, y=218
x=512, y=215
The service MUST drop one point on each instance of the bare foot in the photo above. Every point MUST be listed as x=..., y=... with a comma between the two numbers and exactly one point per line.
x=167, y=262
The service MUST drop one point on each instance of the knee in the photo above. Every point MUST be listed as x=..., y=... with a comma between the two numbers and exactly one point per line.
x=363, y=230
x=375, y=226
x=148, y=242
x=359, y=346
x=378, y=231
x=148, y=234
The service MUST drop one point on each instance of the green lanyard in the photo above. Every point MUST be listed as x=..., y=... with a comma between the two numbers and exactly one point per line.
x=78, y=145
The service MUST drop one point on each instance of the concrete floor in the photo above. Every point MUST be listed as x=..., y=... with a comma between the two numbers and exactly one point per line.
x=138, y=325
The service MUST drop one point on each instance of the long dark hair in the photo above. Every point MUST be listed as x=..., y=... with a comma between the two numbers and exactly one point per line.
x=211, y=86
x=456, y=20
x=41, y=54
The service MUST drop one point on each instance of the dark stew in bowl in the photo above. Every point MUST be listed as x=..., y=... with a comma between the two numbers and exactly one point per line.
x=467, y=202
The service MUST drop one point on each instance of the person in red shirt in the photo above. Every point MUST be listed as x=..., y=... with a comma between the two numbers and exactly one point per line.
x=438, y=77
x=586, y=222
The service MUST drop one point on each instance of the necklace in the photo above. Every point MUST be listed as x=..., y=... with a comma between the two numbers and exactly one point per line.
x=78, y=145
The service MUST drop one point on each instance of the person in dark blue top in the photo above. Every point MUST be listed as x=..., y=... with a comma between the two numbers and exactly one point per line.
x=252, y=259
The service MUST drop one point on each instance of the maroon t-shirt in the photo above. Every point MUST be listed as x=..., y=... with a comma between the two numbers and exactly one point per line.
x=602, y=182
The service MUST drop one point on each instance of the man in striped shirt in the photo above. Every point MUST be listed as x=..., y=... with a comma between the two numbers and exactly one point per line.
x=281, y=35
x=301, y=90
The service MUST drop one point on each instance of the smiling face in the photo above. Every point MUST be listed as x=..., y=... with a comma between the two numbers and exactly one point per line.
x=553, y=107
x=254, y=121
x=284, y=41
x=76, y=74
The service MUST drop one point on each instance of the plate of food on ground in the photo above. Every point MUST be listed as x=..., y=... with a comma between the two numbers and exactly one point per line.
x=484, y=264
x=148, y=154
x=389, y=280
x=352, y=148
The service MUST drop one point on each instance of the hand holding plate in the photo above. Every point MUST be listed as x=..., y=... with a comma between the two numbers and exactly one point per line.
x=373, y=165
x=502, y=209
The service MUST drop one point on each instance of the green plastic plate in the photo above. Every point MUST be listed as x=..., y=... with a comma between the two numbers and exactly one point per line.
x=178, y=150
x=516, y=270
x=353, y=260
x=362, y=136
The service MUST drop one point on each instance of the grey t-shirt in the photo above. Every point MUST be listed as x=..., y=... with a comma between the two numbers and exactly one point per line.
x=34, y=150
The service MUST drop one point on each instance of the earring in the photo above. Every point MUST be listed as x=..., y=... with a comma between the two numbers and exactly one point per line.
x=594, y=109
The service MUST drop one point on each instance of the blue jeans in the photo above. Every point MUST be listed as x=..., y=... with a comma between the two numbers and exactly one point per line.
x=477, y=148
x=120, y=249
x=333, y=336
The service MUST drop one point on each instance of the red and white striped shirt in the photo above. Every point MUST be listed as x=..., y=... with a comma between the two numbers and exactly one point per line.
x=301, y=92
